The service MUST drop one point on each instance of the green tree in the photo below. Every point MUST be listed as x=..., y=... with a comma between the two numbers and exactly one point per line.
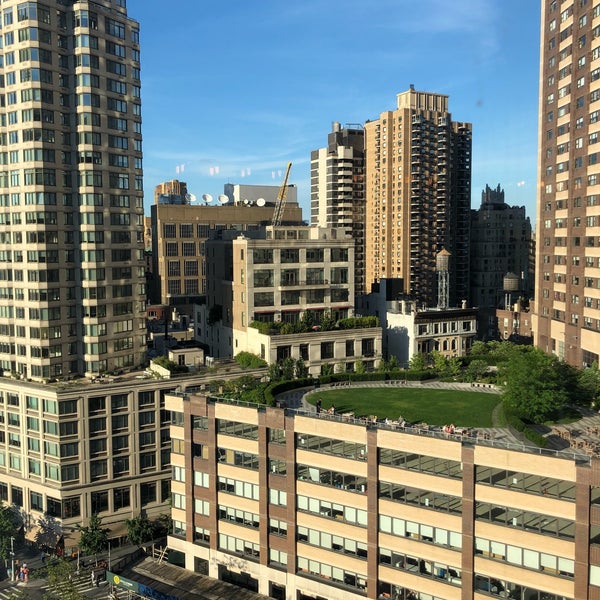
x=301, y=369
x=274, y=372
x=326, y=369
x=287, y=368
x=534, y=384
x=247, y=360
x=478, y=348
x=94, y=537
x=588, y=382
x=10, y=521
x=392, y=364
x=476, y=370
x=359, y=366
x=139, y=529
x=454, y=366
x=60, y=581
x=417, y=362
x=440, y=363
x=327, y=321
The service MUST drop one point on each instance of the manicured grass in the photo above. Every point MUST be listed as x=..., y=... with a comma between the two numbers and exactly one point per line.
x=436, y=407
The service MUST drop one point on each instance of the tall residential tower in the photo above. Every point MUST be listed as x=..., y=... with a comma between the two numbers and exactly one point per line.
x=418, y=196
x=337, y=189
x=567, y=291
x=71, y=200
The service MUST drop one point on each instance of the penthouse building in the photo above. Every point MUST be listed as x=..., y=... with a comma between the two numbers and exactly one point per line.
x=567, y=291
x=418, y=196
x=72, y=287
x=306, y=506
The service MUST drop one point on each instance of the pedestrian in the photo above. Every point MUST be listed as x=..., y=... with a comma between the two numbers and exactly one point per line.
x=93, y=578
x=43, y=557
x=318, y=405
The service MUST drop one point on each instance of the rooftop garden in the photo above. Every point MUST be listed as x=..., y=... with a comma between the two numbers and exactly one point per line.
x=310, y=323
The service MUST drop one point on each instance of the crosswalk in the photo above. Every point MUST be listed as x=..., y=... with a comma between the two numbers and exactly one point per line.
x=82, y=583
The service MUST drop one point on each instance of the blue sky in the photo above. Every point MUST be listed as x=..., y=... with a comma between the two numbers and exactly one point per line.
x=234, y=90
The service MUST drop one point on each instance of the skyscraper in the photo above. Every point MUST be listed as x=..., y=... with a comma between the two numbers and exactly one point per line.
x=418, y=196
x=71, y=199
x=501, y=243
x=567, y=291
x=337, y=196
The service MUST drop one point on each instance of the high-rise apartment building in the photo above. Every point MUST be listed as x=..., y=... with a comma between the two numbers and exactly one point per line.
x=71, y=199
x=418, y=196
x=501, y=243
x=337, y=190
x=567, y=291
x=171, y=192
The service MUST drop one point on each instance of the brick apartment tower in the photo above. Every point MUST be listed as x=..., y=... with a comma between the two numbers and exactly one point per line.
x=418, y=196
x=567, y=292
x=71, y=198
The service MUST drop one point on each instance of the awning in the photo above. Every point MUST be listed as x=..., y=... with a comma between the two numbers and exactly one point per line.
x=33, y=534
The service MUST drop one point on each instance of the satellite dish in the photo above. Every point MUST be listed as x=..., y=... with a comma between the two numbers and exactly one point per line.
x=223, y=199
x=260, y=202
x=188, y=198
x=246, y=202
x=207, y=198
x=192, y=198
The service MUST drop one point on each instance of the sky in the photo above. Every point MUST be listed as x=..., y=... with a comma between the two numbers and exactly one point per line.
x=232, y=91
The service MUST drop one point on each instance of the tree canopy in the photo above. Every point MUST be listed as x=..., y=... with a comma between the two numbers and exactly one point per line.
x=139, y=529
x=94, y=537
x=536, y=384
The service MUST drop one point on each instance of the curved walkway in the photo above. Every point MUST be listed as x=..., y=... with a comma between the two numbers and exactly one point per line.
x=298, y=398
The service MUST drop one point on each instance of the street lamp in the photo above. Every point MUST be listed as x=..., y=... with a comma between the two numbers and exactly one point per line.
x=12, y=557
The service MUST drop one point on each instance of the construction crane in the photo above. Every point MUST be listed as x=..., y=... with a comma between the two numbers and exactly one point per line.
x=280, y=203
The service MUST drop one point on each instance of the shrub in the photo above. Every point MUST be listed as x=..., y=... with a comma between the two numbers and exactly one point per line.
x=247, y=360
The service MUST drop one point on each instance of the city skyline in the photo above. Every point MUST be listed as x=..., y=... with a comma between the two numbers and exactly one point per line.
x=296, y=75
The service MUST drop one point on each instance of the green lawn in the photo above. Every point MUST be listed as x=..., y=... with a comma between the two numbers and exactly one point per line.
x=436, y=407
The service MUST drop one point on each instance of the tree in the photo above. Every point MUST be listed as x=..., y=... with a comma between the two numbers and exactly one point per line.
x=326, y=369
x=476, y=370
x=247, y=360
x=274, y=372
x=60, y=581
x=139, y=529
x=589, y=385
x=94, y=537
x=534, y=383
x=440, y=363
x=417, y=362
x=327, y=321
x=10, y=521
x=359, y=366
x=301, y=369
x=287, y=368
